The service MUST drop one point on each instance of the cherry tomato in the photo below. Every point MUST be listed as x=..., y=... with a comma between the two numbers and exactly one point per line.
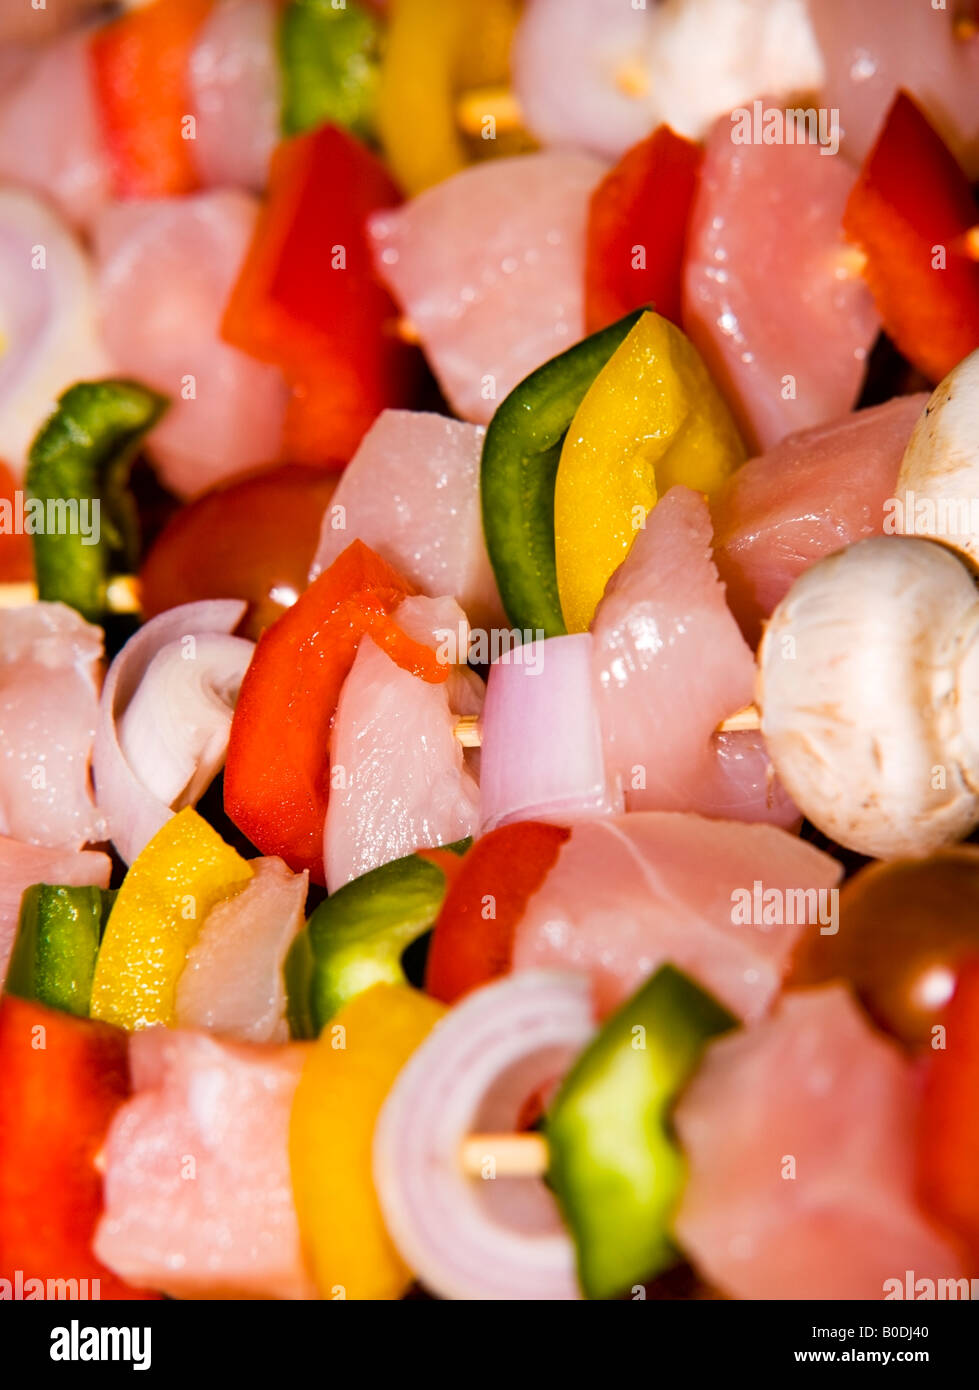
x=253, y=538
x=906, y=927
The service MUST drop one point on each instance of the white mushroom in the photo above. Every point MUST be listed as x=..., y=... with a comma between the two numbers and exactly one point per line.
x=868, y=686
x=938, y=485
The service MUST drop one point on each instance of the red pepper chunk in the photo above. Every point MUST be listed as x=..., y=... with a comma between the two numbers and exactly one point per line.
x=948, y=1147
x=308, y=300
x=63, y=1078
x=16, y=550
x=277, y=775
x=910, y=207
x=472, y=941
x=140, y=65
x=637, y=230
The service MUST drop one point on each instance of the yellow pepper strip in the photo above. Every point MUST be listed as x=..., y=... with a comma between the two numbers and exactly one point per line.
x=651, y=418
x=434, y=51
x=184, y=871
x=343, y=1085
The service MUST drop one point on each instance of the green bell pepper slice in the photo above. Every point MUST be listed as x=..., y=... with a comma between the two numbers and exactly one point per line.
x=81, y=457
x=615, y=1168
x=330, y=63
x=58, y=935
x=519, y=463
x=357, y=937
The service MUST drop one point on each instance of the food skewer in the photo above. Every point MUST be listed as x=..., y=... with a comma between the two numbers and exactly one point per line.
x=468, y=732
x=121, y=596
x=513, y=1155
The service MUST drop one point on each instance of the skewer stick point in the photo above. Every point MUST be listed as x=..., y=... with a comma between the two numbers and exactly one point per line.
x=632, y=80
x=404, y=329
x=512, y=1155
x=17, y=595
x=467, y=731
x=851, y=262
x=473, y=108
x=741, y=720
x=469, y=734
x=121, y=595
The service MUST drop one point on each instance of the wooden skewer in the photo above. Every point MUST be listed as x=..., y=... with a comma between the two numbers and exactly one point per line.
x=851, y=262
x=121, y=595
x=632, y=80
x=740, y=720
x=504, y=1156
x=404, y=329
x=469, y=734
x=475, y=106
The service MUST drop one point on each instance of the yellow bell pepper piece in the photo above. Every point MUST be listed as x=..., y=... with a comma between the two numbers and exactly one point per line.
x=435, y=50
x=650, y=419
x=184, y=871
x=343, y=1085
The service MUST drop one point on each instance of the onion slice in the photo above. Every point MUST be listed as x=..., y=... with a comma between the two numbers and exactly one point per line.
x=542, y=756
x=467, y=1237
x=174, y=731
x=183, y=722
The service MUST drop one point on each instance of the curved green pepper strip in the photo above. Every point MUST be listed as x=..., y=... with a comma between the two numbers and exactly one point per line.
x=56, y=946
x=297, y=972
x=519, y=464
x=615, y=1168
x=330, y=64
x=79, y=469
x=357, y=937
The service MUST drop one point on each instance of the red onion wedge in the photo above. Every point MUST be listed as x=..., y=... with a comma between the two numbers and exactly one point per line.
x=481, y=1238
x=542, y=755
x=180, y=716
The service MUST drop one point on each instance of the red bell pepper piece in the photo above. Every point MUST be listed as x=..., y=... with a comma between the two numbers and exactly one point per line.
x=308, y=300
x=472, y=941
x=63, y=1077
x=277, y=775
x=948, y=1149
x=140, y=64
x=637, y=230
x=16, y=552
x=910, y=206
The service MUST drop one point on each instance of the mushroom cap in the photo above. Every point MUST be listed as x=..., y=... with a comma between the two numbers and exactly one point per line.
x=868, y=676
x=938, y=484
